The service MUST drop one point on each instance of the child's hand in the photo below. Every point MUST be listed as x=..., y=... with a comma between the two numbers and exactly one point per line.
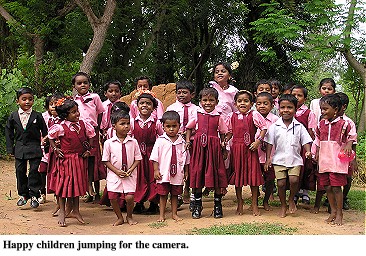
x=267, y=165
x=129, y=172
x=86, y=154
x=188, y=146
x=254, y=146
x=44, y=140
x=120, y=173
x=224, y=153
x=223, y=144
x=347, y=150
x=59, y=152
x=157, y=175
x=308, y=155
x=353, y=165
x=57, y=143
x=185, y=175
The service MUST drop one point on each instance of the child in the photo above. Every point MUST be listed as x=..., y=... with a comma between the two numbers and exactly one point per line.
x=242, y=126
x=91, y=107
x=264, y=105
x=287, y=136
x=170, y=160
x=112, y=90
x=144, y=84
x=307, y=118
x=326, y=86
x=207, y=165
x=121, y=155
x=276, y=91
x=71, y=157
x=23, y=132
x=185, y=91
x=287, y=88
x=145, y=129
x=333, y=134
x=353, y=164
x=264, y=86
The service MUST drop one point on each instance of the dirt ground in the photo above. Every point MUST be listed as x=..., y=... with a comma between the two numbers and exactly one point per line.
x=16, y=220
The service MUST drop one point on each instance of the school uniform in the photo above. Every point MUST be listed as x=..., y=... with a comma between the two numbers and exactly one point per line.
x=186, y=112
x=106, y=116
x=157, y=113
x=23, y=132
x=226, y=103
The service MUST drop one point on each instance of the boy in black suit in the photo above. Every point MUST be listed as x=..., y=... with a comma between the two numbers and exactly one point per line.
x=23, y=131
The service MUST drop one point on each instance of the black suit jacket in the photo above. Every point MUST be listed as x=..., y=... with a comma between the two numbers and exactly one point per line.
x=25, y=143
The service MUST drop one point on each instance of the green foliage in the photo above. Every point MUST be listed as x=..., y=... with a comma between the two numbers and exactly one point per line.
x=246, y=229
x=158, y=225
x=357, y=199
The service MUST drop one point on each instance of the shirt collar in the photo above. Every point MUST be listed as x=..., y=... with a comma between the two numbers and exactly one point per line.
x=334, y=121
x=150, y=119
x=280, y=122
x=21, y=111
x=82, y=96
x=247, y=113
x=182, y=105
x=128, y=137
x=68, y=123
x=213, y=112
x=178, y=141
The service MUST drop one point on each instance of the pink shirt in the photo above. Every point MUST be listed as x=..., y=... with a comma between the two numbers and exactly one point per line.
x=311, y=119
x=226, y=98
x=222, y=128
x=353, y=130
x=258, y=120
x=91, y=108
x=315, y=108
x=147, y=122
x=270, y=119
x=46, y=117
x=57, y=130
x=179, y=107
x=287, y=142
x=158, y=112
x=104, y=124
x=112, y=152
x=162, y=154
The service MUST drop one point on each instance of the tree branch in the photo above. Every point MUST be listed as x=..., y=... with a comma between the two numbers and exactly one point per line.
x=86, y=8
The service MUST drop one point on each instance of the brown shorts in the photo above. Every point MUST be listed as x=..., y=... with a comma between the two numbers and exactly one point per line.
x=282, y=172
x=166, y=188
x=332, y=179
x=115, y=195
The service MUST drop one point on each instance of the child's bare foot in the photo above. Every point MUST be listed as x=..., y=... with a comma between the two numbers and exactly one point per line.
x=161, y=219
x=239, y=209
x=96, y=198
x=118, y=222
x=315, y=210
x=176, y=217
x=256, y=211
x=292, y=207
x=91, y=191
x=55, y=211
x=338, y=220
x=77, y=216
x=331, y=218
x=282, y=213
x=266, y=206
x=131, y=221
x=61, y=220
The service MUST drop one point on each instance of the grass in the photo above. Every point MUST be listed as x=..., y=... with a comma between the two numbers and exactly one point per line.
x=158, y=225
x=245, y=229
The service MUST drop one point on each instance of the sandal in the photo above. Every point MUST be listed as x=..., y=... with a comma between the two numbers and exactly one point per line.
x=305, y=199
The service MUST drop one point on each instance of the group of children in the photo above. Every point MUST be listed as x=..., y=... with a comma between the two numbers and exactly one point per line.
x=234, y=137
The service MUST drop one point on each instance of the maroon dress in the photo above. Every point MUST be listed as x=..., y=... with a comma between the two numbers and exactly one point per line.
x=99, y=169
x=207, y=167
x=71, y=170
x=145, y=184
x=307, y=178
x=245, y=162
x=51, y=175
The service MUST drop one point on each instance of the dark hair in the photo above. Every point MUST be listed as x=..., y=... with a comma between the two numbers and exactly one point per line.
x=266, y=94
x=327, y=81
x=288, y=97
x=118, y=115
x=333, y=100
x=226, y=65
x=262, y=81
x=24, y=90
x=52, y=97
x=143, y=78
x=288, y=86
x=185, y=84
x=170, y=115
x=120, y=106
x=63, y=110
x=148, y=96
x=116, y=82
x=80, y=74
x=304, y=90
x=344, y=98
x=209, y=91
x=242, y=92
x=273, y=82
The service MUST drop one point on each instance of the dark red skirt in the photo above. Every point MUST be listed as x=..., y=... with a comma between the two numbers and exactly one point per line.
x=51, y=173
x=99, y=171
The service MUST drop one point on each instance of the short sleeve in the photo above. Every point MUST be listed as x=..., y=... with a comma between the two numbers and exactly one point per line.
x=305, y=136
x=137, y=152
x=90, y=131
x=55, y=131
x=259, y=121
x=106, y=151
x=269, y=137
x=155, y=151
x=223, y=129
x=99, y=105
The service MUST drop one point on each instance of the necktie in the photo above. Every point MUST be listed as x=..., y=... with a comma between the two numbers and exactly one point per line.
x=109, y=115
x=76, y=127
x=173, y=162
x=124, y=158
x=185, y=116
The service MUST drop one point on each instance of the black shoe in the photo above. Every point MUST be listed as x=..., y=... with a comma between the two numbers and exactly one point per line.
x=22, y=201
x=153, y=209
x=217, y=208
x=264, y=188
x=191, y=205
x=305, y=199
x=34, y=202
x=345, y=204
x=326, y=202
x=180, y=201
x=296, y=198
x=329, y=210
x=139, y=208
x=197, y=209
x=274, y=189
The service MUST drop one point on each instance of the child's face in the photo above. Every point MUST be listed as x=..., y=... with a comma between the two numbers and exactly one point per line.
x=287, y=110
x=299, y=94
x=81, y=85
x=74, y=114
x=122, y=127
x=243, y=103
x=288, y=91
x=113, y=93
x=221, y=74
x=263, y=88
x=328, y=112
x=263, y=105
x=184, y=96
x=208, y=103
x=326, y=88
x=275, y=91
x=52, y=108
x=171, y=128
x=145, y=107
x=25, y=101
x=142, y=84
